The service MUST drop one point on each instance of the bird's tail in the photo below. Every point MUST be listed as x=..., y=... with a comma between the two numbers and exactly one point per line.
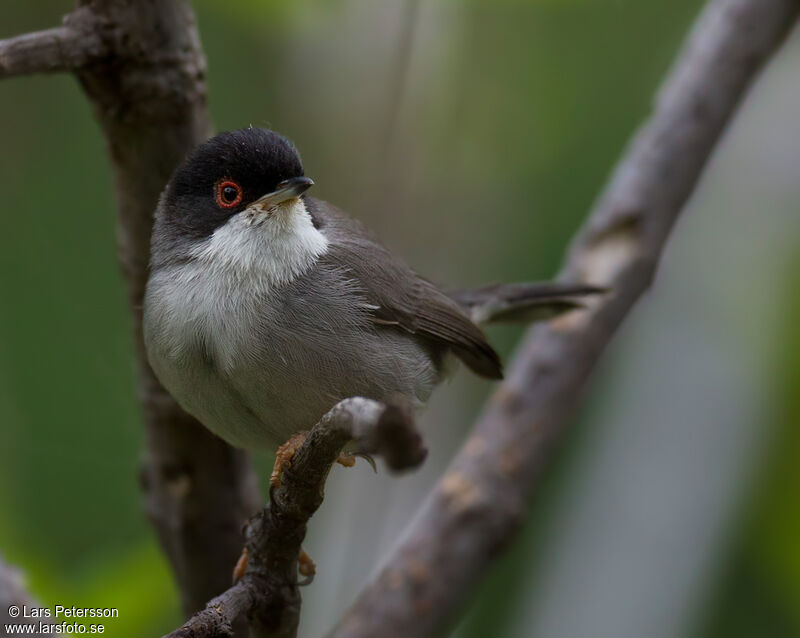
x=525, y=302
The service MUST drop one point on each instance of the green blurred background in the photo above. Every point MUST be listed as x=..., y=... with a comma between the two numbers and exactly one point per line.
x=473, y=137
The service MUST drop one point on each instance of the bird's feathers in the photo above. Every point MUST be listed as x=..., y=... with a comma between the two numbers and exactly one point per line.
x=522, y=302
x=403, y=300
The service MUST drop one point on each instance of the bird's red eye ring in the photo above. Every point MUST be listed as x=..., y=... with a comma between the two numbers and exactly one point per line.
x=229, y=194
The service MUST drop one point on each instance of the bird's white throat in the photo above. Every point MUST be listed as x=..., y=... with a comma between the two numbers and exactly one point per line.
x=274, y=249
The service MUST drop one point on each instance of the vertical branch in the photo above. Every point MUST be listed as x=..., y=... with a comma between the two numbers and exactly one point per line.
x=142, y=67
x=150, y=100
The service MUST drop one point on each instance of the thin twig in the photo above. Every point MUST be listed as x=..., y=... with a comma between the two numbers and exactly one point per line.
x=269, y=591
x=479, y=502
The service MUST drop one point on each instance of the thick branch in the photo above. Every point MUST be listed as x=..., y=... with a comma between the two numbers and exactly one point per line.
x=269, y=592
x=479, y=502
x=64, y=48
x=150, y=99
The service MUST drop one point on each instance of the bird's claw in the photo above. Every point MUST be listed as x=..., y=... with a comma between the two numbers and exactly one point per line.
x=307, y=568
x=241, y=566
x=349, y=460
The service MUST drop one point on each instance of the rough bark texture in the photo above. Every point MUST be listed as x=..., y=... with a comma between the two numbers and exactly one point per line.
x=142, y=67
x=269, y=592
x=479, y=502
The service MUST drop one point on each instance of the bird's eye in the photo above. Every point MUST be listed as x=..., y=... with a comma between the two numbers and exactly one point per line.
x=229, y=193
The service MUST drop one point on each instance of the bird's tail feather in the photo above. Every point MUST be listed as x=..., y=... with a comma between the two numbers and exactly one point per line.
x=522, y=302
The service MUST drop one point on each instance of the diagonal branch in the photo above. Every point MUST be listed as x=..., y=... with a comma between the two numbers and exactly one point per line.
x=269, y=592
x=479, y=502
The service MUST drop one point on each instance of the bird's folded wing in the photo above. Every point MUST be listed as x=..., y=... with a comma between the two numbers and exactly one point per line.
x=398, y=297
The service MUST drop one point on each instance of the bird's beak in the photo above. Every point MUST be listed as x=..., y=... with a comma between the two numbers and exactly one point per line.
x=286, y=190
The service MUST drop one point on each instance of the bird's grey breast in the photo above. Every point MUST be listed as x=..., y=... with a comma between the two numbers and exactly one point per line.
x=256, y=363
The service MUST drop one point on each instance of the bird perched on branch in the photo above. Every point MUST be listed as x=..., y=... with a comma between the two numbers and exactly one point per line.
x=265, y=306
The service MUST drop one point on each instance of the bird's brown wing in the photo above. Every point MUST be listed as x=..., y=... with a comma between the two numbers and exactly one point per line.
x=401, y=298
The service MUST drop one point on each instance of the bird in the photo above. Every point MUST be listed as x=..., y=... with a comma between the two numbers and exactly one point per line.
x=264, y=306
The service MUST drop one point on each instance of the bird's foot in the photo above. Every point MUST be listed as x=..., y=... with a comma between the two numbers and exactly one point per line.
x=307, y=567
x=284, y=454
x=283, y=457
x=241, y=566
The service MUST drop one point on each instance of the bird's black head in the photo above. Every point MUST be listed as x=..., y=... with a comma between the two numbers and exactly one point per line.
x=224, y=176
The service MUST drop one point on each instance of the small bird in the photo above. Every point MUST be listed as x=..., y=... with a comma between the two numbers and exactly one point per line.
x=265, y=307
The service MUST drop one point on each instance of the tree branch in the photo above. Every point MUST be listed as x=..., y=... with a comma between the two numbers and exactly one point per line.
x=269, y=592
x=151, y=103
x=64, y=48
x=142, y=67
x=479, y=502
